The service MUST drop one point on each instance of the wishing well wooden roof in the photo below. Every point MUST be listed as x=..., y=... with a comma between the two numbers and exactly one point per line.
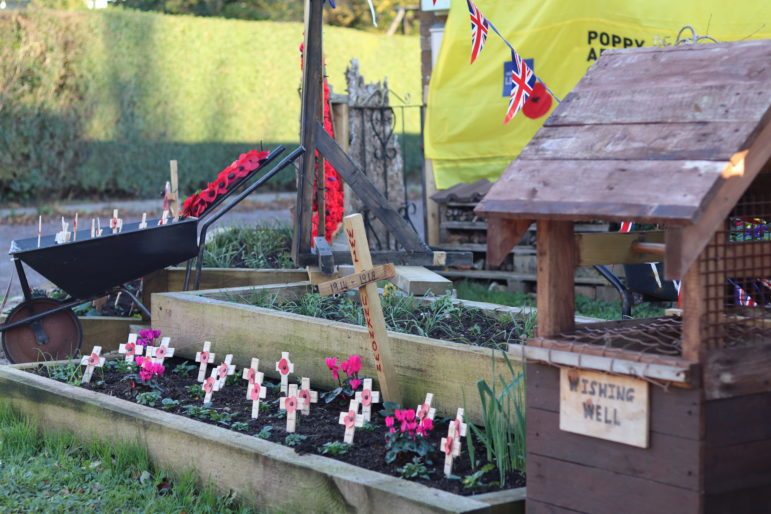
x=648, y=134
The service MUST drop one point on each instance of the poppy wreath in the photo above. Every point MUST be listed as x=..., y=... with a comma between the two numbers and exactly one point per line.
x=197, y=203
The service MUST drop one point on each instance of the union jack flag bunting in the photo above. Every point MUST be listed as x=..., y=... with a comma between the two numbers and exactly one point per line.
x=522, y=82
x=479, y=29
x=741, y=297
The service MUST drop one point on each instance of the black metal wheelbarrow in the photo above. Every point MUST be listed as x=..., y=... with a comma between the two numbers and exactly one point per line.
x=87, y=268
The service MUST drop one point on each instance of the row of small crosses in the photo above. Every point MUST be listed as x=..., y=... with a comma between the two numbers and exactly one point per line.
x=130, y=349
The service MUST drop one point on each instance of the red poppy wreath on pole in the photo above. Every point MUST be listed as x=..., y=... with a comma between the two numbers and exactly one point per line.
x=197, y=203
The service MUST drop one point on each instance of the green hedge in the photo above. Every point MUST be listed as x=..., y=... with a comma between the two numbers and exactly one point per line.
x=98, y=102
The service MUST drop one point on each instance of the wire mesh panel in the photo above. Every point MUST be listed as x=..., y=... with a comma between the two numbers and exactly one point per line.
x=736, y=272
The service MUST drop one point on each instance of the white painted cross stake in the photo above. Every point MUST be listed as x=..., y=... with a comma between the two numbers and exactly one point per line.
x=351, y=420
x=143, y=223
x=308, y=395
x=225, y=369
x=367, y=397
x=116, y=224
x=250, y=374
x=450, y=445
x=257, y=392
x=90, y=362
x=425, y=410
x=209, y=386
x=204, y=357
x=130, y=348
x=164, y=218
x=290, y=403
x=366, y=281
x=284, y=367
x=158, y=353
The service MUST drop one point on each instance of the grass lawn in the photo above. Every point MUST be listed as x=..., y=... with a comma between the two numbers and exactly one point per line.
x=53, y=472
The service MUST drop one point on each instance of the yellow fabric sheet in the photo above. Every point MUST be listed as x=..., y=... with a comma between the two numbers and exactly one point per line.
x=465, y=135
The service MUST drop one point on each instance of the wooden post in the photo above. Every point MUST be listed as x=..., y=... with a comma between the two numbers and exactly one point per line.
x=130, y=348
x=556, y=261
x=173, y=196
x=373, y=311
x=309, y=117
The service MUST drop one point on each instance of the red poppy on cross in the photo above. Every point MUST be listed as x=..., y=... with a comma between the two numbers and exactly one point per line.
x=130, y=348
x=367, y=397
x=204, y=357
x=90, y=362
x=351, y=420
x=290, y=403
x=284, y=367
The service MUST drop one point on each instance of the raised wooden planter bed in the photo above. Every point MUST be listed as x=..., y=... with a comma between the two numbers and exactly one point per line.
x=449, y=370
x=268, y=475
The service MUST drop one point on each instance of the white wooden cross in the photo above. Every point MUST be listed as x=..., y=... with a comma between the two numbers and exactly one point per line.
x=40, y=229
x=130, y=348
x=290, y=403
x=209, y=386
x=75, y=228
x=225, y=369
x=143, y=223
x=164, y=217
x=204, y=357
x=351, y=420
x=308, y=395
x=367, y=397
x=64, y=235
x=158, y=353
x=284, y=367
x=250, y=374
x=256, y=392
x=116, y=224
x=425, y=410
x=366, y=278
x=90, y=362
x=450, y=445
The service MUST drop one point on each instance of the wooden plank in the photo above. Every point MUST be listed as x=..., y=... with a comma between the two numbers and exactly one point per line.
x=540, y=507
x=373, y=198
x=665, y=66
x=737, y=467
x=737, y=420
x=609, y=407
x=650, y=103
x=420, y=281
x=422, y=364
x=405, y=258
x=309, y=116
x=669, y=460
x=676, y=412
x=686, y=243
x=614, y=247
x=105, y=331
x=711, y=141
x=316, y=276
x=556, y=259
x=730, y=372
x=692, y=295
x=599, y=491
x=357, y=280
x=745, y=501
x=503, y=234
x=548, y=189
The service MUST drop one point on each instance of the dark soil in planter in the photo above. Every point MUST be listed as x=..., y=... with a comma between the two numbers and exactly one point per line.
x=442, y=318
x=230, y=409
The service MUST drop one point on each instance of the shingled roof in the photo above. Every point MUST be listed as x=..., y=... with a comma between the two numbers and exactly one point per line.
x=651, y=135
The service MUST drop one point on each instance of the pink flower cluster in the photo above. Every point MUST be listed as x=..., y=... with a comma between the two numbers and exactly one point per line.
x=148, y=337
x=409, y=423
x=147, y=368
x=351, y=367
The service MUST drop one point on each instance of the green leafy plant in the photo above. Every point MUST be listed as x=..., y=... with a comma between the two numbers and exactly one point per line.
x=196, y=411
x=121, y=366
x=407, y=433
x=294, y=439
x=149, y=398
x=240, y=426
x=195, y=391
x=223, y=418
x=169, y=404
x=233, y=380
x=265, y=432
x=184, y=369
x=503, y=439
x=70, y=373
x=474, y=481
x=414, y=469
x=334, y=448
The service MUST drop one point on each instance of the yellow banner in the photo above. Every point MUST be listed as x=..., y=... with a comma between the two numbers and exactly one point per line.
x=465, y=135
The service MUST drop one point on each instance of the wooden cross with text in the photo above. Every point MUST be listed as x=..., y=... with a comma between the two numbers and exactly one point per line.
x=130, y=348
x=366, y=281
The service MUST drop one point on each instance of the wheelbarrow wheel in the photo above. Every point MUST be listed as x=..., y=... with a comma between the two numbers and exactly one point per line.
x=60, y=332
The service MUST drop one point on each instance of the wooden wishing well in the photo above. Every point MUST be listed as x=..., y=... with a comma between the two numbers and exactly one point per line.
x=667, y=409
x=315, y=138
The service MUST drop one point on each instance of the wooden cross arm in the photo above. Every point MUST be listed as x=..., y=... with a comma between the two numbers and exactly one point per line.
x=357, y=280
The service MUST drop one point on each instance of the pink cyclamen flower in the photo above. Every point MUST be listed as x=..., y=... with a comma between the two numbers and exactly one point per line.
x=355, y=383
x=139, y=360
x=333, y=367
x=426, y=426
x=352, y=365
x=389, y=421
